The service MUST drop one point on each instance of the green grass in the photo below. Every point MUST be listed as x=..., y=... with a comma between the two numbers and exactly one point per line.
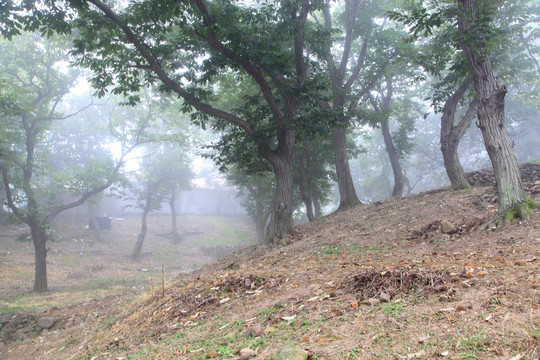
x=227, y=235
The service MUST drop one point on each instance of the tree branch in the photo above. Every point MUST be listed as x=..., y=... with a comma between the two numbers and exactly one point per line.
x=156, y=67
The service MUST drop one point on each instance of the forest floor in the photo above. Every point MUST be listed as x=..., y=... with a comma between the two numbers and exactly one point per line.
x=413, y=278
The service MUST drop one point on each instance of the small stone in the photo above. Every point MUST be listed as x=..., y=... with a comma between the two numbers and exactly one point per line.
x=246, y=353
x=385, y=297
x=46, y=322
x=255, y=330
x=448, y=228
x=373, y=301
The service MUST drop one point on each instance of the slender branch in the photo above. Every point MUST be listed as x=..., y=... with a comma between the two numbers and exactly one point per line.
x=254, y=72
x=360, y=61
x=9, y=198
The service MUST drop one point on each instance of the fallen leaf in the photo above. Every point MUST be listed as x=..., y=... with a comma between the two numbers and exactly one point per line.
x=354, y=304
x=517, y=357
x=288, y=318
x=306, y=339
x=270, y=329
x=444, y=353
x=223, y=301
x=327, y=338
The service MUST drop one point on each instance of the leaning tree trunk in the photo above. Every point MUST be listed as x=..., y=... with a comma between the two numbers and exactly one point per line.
x=451, y=135
x=491, y=120
x=306, y=199
x=399, y=178
x=347, y=191
x=39, y=238
x=280, y=221
x=172, y=204
x=140, y=239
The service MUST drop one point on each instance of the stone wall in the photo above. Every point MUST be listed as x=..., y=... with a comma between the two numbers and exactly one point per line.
x=15, y=327
x=530, y=175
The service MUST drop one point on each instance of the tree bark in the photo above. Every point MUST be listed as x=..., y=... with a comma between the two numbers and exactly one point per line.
x=39, y=238
x=451, y=135
x=399, y=179
x=172, y=204
x=280, y=221
x=491, y=119
x=347, y=192
x=140, y=239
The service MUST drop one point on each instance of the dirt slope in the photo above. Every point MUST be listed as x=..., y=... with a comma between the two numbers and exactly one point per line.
x=415, y=278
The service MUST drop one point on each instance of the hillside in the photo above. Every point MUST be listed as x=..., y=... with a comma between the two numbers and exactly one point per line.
x=414, y=278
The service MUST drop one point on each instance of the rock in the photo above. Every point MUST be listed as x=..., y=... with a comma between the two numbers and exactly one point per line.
x=246, y=353
x=373, y=301
x=292, y=352
x=46, y=322
x=448, y=228
x=385, y=297
x=255, y=330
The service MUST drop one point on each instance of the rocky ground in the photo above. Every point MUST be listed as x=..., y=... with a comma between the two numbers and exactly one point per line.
x=414, y=278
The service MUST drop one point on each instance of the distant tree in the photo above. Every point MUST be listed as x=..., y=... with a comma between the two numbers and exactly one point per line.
x=352, y=69
x=209, y=37
x=255, y=194
x=31, y=68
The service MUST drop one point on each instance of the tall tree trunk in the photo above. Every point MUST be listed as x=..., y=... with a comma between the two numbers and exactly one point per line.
x=451, y=135
x=260, y=221
x=399, y=179
x=172, y=204
x=280, y=221
x=39, y=238
x=347, y=191
x=491, y=119
x=140, y=239
x=317, y=206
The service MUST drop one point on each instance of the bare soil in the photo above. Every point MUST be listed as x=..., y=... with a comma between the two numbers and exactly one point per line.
x=380, y=281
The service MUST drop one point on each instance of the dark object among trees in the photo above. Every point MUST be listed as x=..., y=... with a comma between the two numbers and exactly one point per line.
x=102, y=222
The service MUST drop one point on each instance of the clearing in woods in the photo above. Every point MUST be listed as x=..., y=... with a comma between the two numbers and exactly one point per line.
x=414, y=278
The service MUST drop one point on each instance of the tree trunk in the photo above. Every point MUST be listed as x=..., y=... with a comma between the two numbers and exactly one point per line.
x=140, y=239
x=317, y=206
x=39, y=238
x=491, y=120
x=260, y=221
x=399, y=179
x=280, y=221
x=172, y=203
x=306, y=199
x=347, y=191
x=451, y=135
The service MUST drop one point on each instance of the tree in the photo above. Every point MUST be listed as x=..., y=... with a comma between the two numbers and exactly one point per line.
x=31, y=68
x=471, y=19
x=353, y=35
x=478, y=37
x=451, y=134
x=275, y=60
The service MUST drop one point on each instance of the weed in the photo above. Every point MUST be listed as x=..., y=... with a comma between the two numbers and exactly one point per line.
x=392, y=309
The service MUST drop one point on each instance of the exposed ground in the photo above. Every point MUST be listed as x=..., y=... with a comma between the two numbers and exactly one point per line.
x=381, y=281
